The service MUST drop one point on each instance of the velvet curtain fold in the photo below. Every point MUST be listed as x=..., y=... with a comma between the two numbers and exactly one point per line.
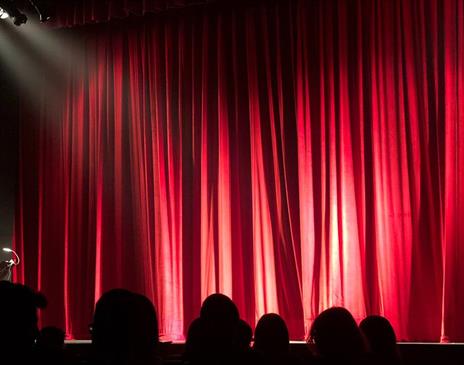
x=292, y=155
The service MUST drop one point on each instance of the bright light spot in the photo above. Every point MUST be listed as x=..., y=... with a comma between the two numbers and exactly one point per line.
x=7, y=249
x=3, y=14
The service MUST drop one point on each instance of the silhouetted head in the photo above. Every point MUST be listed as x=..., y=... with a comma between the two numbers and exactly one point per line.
x=219, y=307
x=51, y=338
x=271, y=335
x=124, y=326
x=195, y=342
x=380, y=336
x=18, y=317
x=336, y=335
x=245, y=335
x=219, y=322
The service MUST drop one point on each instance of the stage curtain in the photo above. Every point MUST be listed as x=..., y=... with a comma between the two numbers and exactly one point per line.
x=79, y=12
x=294, y=155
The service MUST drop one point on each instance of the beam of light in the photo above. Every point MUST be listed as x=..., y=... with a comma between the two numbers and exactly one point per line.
x=56, y=47
x=38, y=61
x=26, y=69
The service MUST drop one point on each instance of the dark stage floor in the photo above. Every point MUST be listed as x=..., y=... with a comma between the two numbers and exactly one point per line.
x=414, y=353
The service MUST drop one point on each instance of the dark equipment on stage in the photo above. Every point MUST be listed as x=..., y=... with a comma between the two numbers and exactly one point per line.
x=6, y=266
x=11, y=8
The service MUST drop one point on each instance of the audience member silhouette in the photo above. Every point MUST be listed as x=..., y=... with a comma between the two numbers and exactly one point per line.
x=245, y=336
x=272, y=340
x=337, y=338
x=18, y=322
x=219, y=307
x=124, y=329
x=381, y=340
x=220, y=319
x=247, y=355
x=194, y=342
x=49, y=347
x=271, y=335
x=51, y=338
x=214, y=337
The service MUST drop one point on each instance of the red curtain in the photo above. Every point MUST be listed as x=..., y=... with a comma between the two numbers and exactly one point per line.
x=79, y=12
x=293, y=155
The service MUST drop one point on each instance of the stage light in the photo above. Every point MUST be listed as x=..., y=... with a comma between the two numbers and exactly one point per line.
x=3, y=14
x=9, y=7
x=13, y=262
